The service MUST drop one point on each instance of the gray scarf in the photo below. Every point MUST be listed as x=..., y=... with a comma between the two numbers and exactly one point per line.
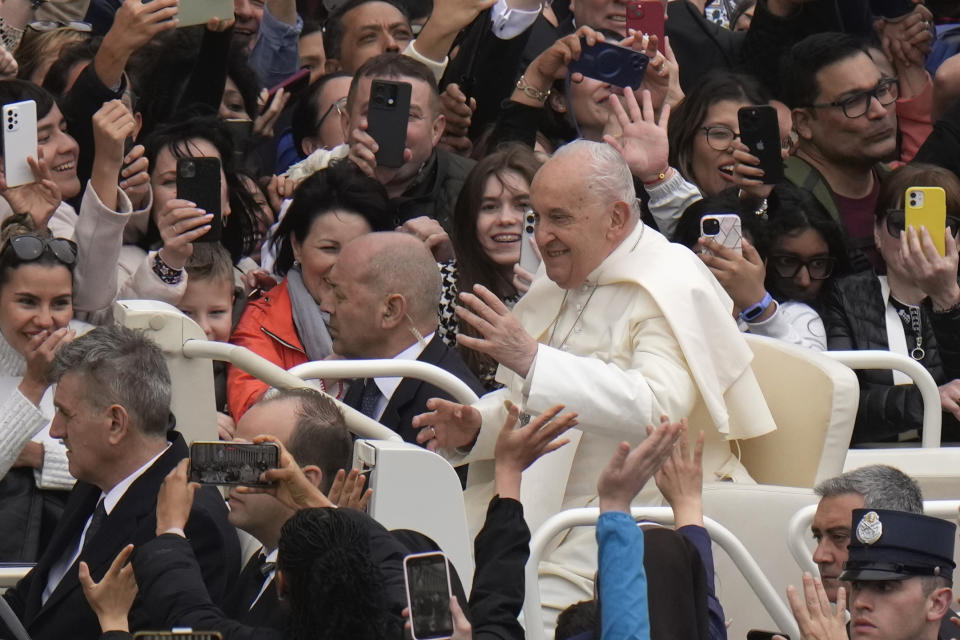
x=311, y=323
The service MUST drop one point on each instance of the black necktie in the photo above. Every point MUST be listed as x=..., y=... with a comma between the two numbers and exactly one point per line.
x=370, y=398
x=249, y=583
x=96, y=521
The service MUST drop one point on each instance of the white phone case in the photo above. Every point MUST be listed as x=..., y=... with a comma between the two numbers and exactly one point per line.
x=528, y=257
x=728, y=234
x=433, y=555
x=194, y=12
x=19, y=141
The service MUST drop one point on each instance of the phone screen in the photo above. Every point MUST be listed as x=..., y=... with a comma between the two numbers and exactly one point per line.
x=232, y=463
x=428, y=592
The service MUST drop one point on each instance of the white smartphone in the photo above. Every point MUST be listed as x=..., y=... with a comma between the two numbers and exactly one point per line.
x=528, y=257
x=428, y=595
x=19, y=141
x=193, y=12
x=723, y=228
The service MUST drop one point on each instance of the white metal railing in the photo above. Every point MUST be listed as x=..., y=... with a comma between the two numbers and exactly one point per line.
x=339, y=369
x=738, y=553
x=798, y=529
x=280, y=378
x=932, y=417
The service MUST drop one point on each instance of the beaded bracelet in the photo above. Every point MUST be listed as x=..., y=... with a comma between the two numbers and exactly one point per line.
x=166, y=273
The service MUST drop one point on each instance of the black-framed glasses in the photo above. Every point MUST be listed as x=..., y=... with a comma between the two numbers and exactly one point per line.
x=886, y=93
x=719, y=136
x=896, y=222
x=788, y=266
x=338, y=105
x=52, y=25
x=29, y=247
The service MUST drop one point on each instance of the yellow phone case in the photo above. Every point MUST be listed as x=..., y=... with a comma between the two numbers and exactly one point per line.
x=927, y=207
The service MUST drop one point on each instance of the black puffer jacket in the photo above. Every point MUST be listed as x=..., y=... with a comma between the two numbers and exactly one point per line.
x=853, y=313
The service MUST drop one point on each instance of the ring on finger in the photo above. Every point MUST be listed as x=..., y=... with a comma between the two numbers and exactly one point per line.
x=433, y=431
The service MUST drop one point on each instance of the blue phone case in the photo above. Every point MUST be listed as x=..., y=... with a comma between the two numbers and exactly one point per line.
x=611, y=63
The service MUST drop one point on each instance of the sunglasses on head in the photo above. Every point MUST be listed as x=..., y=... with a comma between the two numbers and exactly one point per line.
x=896, y=222
x=29, y=247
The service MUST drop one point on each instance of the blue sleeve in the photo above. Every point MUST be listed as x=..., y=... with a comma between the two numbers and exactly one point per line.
x=275, y=56
x=701, y=540
x=623, y=581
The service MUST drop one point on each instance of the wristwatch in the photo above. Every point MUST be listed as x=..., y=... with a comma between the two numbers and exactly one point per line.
x=754, y=311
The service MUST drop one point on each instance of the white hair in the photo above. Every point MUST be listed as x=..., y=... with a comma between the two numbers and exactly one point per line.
x=607, y=174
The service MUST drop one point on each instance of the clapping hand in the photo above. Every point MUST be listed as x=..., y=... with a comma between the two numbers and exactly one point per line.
x=519, y=447
x=629, y=471
x=817, y=619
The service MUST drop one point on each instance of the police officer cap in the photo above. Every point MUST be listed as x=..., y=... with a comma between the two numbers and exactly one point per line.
x=892, y=545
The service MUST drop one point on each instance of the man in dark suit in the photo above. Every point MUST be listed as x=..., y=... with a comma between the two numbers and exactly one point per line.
x=113, y=408
x=386, y=291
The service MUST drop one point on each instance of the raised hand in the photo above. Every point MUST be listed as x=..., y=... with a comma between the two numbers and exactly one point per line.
x=680, y=480
x=113, y=123
x=269, y=112
x=553, y=63
x=817, y=619
x=38, y=199
x=644, y=143
x=432, y=234
x=628, y=471
x=181, y=223
x=135, y=177
x=347, y=490
x=112, y=597
x=447, y=425
x=288, y=483
x=742, y=276
x=518, y=448
x=175, y=499
x=457, y=112
x=504, y=338
x=936, y=275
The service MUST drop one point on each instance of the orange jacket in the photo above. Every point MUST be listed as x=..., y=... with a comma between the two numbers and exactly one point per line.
x=267, y=329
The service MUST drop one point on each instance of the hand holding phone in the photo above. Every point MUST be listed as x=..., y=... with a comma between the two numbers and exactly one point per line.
x=927, y=207
x=529, y=259
x=723, y=228
x=610, y=63
x=647, y=17
x=427, y=579
x=760, y=132
x=19, y=142
x=198, y=180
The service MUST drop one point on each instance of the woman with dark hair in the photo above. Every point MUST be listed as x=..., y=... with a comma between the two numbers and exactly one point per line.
x=486, y=242
x=913, y=310
x=286, y=326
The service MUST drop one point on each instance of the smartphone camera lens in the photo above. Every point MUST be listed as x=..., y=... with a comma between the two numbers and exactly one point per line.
x=188, y=169
x=711, y=227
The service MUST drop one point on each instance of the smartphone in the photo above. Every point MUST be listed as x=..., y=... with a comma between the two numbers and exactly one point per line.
x=240, y=131
x=387, y=118
x=177, y=635
x=723, y=228
x=755, y=634
x=198, y=180
x=193, y=12
x=528, y=257
x=19, y=141
x=219, y=462
x=292, y=85
x=428, y=595
x=891, y=8
x=646, y=16
x=927, y=207
x=610, y=63
x=760, y=131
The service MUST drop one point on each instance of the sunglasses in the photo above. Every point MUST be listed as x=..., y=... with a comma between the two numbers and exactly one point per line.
x=788, y=266
x=896, y=223
x=29, y=247
x=51, y=25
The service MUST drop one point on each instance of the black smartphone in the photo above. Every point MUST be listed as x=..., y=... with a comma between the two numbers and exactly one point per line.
x=760, y=131
x=240, y=131
x=755, y=634
x=616, y=65
x=231, y=463
x=292, y=85
x=177, y=635
x=387, y=118
x=891, y=8
x=198, y=180
x=428, y=595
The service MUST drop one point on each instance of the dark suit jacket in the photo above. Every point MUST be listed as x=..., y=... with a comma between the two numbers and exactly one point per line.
x=269, y=610
x=66, y=613
x=411, y=395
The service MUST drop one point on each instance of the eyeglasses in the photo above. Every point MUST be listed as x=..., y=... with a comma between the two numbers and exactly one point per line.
x=719, y=137
x=897, y=221
x=338, y=105
x=886, y=92
x=788, y=266
x=29, y=247
x=52, y=25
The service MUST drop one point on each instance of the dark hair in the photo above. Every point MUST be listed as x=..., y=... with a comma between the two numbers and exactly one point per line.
x=19, y=90
x=333, y=31
x=320, y=437
x=246, y=79
x=579, y=618
x=396, y=65
x=739, y=10
x=311, y=25
x=335, y=589
x=800, y=65
x=893, y=187
x=209, y=261
x=303, y=122
x=56, y=79
x=176, y=136
x=240, y=230
x=18, y=225
x=687, y=119
x=339, y=187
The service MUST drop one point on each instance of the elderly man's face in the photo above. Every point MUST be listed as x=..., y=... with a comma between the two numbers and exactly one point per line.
x=83, y=429
x=573, y=227
x=354, y=308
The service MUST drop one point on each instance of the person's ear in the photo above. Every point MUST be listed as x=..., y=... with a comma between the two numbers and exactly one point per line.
x=439, y=123
x=345, y=125
x=557, y=102
x=803, y=121
x=295, y=245
x=877, y=230
x=394, y=311
x=119, y=423
x=619, y=217
x=938, y=603
x=138, y=119
x=280, y=582
x=308, y=146
x=314, y=474
x=332, y=65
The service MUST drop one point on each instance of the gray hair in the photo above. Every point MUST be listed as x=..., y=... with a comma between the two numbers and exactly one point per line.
x=882, y=487
x=120, y=366
x=608, y=176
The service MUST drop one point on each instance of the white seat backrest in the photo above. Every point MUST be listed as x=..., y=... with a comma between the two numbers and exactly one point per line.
x=813, y=400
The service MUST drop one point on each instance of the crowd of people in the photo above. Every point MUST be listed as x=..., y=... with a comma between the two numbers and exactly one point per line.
x=539, y=233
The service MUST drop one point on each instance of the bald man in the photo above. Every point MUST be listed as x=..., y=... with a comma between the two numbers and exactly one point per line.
x=386, y=292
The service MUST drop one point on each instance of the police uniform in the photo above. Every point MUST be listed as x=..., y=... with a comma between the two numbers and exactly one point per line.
x=894, y=545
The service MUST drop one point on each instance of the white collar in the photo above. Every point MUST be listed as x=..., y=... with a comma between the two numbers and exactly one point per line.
x=388, y=385
x=116, y=493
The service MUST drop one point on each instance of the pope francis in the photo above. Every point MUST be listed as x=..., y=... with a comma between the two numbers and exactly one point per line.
x=620, y=326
